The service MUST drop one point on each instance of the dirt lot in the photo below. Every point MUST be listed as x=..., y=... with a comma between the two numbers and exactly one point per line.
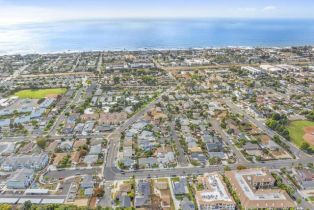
x=309, y=135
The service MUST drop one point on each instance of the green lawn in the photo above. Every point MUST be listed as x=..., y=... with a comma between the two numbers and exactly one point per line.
x=296, y=131
x=40, y=93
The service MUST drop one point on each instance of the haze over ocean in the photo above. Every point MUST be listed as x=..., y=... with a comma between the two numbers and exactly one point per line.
x=136, y=34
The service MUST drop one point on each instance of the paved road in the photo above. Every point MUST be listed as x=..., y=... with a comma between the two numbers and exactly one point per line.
x=61, y=117
x=99, y=64
x=216, y=126
x=55, y=137
x=299, y=153
x=68, y=172
x=33, y=196
x=277, y=164
x=14, y=75
x=112, y=173
x=182, y=159
x=106, y=199
x=114, y=138
x=76, y=63
x=304, y=204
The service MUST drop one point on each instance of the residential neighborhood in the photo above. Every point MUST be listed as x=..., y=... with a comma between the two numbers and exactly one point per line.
x=223, y=128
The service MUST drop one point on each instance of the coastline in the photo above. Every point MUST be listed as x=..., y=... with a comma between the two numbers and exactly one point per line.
x=145, y=35
x=156, y=49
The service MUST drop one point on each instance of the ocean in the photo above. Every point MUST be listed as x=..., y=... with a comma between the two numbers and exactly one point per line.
x=154, y=34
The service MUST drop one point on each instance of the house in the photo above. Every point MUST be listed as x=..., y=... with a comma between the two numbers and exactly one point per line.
x=253, y=71
x=214, y=147
x=5, y=124
x=127, y=161
x=114, y=118
x=75, y=157
x=125, y=201
x=88, y=192
x=35, y=162
x=52, y=146
x=161, y=189
x=220, y=155
x=66, y=145
x=306, y=178
x=22, y=119
x=47, y=103
x=87, y=182
x=7, y=149
x=146, y=140
x=78, y=128
x=79, y=143
x=103, y=128
x=128, y=151
x=186, y=204
x=164, y=155
x=166, y=158
x=88, y=127
x=21, y=179
x=67, y=129
x=199, y=157
x=180, y=187
x=251, y=146
x=95, y=150
x=36, y=113
x=147, y=162
x=141, y=198
x=122, y=189
x=90, y=159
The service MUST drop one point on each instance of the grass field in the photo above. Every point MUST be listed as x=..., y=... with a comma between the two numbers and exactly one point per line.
x=296, y=130
x=40, y=93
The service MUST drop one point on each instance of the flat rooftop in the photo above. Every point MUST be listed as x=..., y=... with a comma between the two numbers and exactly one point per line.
x=214, y=192
x=261, y=198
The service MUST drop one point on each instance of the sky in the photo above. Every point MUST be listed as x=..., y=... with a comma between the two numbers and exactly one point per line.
x=41, y=11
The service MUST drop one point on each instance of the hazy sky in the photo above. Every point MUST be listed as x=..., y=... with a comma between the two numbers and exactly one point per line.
x=34, y=11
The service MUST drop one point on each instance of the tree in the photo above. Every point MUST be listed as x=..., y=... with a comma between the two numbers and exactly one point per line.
x=27, y=205
x=227, y=168
x=310, y=116
x=305, y=146
x=41, y=142
x=116, y=80
x=299, y=201
x=241, y=167
x=99, y=192
x=5, y=207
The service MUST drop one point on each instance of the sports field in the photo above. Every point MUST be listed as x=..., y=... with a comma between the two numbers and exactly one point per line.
x=302, y=131
x=40, y=93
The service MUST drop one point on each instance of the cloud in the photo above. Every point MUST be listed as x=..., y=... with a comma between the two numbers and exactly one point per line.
x=269, y=8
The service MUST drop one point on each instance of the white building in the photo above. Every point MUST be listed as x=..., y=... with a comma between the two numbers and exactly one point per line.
x=215, y=195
